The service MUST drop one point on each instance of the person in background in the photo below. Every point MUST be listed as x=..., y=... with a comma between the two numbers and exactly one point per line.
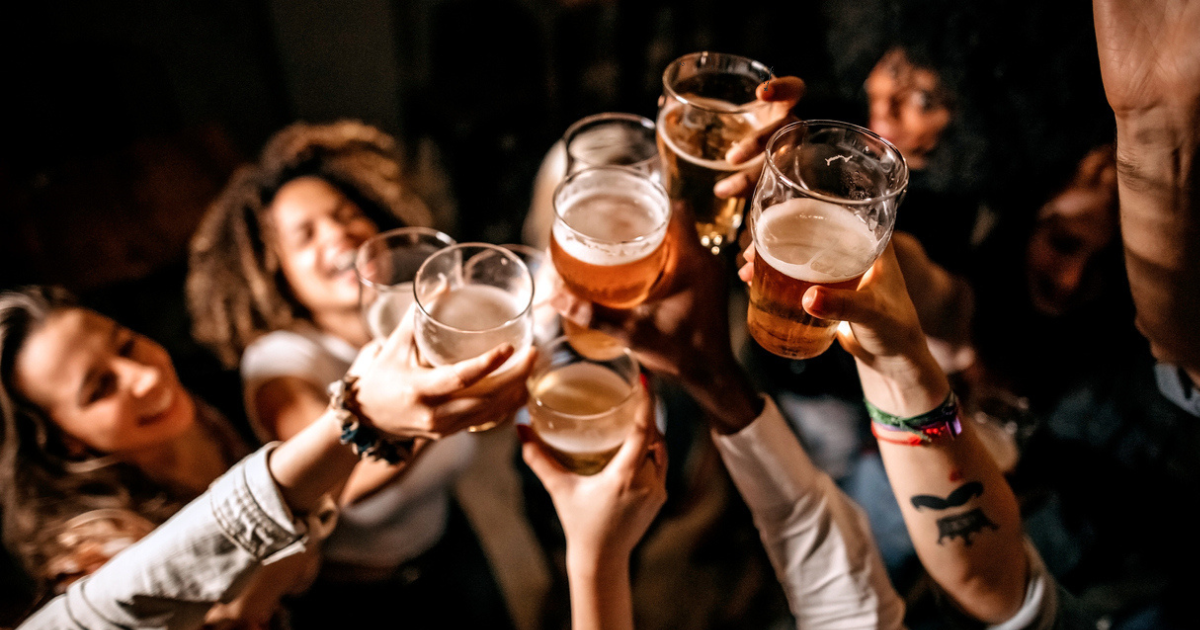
x=275, y=505
x=272, y=286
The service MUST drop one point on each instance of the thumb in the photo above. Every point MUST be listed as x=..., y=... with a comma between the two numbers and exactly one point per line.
x=850, y=305
x=448, y=379
x=547, y=469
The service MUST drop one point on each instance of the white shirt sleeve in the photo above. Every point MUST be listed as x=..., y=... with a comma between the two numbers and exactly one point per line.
x=818, y=541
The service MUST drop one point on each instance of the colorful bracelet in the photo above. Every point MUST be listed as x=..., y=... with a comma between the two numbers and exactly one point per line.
x=941, y=422
x=363, y=438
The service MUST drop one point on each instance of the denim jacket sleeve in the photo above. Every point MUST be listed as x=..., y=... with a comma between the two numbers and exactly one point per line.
x=204, y=554
x=817, y=539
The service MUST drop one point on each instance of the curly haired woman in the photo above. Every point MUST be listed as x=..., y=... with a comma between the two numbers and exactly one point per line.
x=271, y=284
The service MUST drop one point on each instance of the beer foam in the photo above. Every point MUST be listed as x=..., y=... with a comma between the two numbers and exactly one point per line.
x=814, y=241
x=475, y=307
x=610, y=228
x=715, y=165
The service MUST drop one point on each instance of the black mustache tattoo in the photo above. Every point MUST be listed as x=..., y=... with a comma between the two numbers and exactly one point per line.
x=957, y=498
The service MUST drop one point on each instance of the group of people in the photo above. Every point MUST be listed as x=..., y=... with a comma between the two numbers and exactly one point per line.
x=133, y=504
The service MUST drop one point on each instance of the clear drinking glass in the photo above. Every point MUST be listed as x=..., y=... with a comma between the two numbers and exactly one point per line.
x=613, y=139
x=386, y=265
x=546, y=324
x=708, y=105
x=580, y=408
x=823, y=211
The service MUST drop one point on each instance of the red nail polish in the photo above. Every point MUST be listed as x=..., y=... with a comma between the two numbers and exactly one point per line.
x=524, y=433
x=645, y=381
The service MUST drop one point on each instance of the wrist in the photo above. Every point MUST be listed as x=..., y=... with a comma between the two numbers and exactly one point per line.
x=584, y=563
x=904, y=386
x=722, y=388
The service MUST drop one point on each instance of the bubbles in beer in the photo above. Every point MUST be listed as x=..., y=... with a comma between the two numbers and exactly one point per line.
x=583, y=412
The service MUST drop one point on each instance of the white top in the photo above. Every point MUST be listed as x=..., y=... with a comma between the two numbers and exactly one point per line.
x=402, y=520
x=820, y=543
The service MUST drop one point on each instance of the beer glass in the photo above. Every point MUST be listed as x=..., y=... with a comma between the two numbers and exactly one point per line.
x=608, y=241
x=472, y=297
x=582, y=409
x=613, y=139
x=386, y=265
x=822, y=213
x=546, y=323
x=708, y=105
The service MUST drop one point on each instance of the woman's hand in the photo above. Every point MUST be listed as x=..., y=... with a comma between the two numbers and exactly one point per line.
x=783, y=94
x=1149, y=54
x=606, y=514
x=403, y=398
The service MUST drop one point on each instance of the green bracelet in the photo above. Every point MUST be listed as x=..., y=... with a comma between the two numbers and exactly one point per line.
x=942, y=421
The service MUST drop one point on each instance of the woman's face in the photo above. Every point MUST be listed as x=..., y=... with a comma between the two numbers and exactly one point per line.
x=105, y=386
x=907, y=106
x=317, y=231
x=1073, y=229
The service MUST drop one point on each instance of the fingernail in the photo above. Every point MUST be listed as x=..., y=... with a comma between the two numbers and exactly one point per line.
x=645, y=381
x=765, y=90
x=723, y=188
x=524, y=433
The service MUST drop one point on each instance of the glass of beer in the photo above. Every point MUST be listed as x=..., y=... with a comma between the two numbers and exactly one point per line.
x=823, y=211
x=582, y=409
x=613, y=139
x=386, y=265
x=546, y=325
x=708, y=105
x=472, y=297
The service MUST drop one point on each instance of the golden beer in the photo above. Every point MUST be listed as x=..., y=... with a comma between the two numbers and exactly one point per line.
x=608, y=239
x=800, y=243
x=582, y=412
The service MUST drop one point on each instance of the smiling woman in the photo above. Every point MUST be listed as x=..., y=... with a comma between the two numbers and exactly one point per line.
x=96, y=424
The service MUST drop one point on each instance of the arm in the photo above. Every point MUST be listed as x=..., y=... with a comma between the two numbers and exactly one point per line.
x=1150, y=64
x=818, y=542
x=961, y=514
x=211, y=549
x=604, y=516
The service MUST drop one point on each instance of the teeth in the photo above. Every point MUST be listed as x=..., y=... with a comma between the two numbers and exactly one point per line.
x=343, y=261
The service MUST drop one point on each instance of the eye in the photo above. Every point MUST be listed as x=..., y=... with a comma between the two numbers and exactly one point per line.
x=346, y=213
x=106, y=384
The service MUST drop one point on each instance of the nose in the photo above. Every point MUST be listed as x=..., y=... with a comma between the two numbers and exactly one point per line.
x=143, y=379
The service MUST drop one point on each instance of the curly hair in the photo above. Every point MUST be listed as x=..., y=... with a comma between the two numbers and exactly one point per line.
x=235, y=289
x=41, y=484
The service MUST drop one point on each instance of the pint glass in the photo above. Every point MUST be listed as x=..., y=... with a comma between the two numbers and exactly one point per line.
x=823, y=211
x=708, y=105
x=582, y=409
x=386, y=265
x=609, y=235
x=472, y=297
x=613, y=139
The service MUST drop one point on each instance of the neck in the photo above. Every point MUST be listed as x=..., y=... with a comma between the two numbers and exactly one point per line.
x=190, y=461
x=344, y=324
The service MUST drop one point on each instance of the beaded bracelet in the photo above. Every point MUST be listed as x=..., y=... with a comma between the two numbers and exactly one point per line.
x=940, y=422
x=363, y=438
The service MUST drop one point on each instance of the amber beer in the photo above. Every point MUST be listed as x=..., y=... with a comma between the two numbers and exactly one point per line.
x=582, y=410
x=693, y=159
x=800, y=243
x=608, y=239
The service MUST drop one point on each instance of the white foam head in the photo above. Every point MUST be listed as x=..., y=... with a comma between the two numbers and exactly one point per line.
x=814, y=241
x=610, y=217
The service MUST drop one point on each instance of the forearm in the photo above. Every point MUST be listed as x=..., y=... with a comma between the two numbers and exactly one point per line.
x=960, y=512
x=601, y=594
x=311, y=464
x=723, y=390
x=1157, y=174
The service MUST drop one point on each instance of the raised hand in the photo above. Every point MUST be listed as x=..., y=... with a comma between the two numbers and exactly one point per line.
x=405, y=399
x=783, y=94
x=1149, y=53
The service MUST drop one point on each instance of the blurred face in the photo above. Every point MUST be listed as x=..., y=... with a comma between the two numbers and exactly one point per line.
x=907, y=106
x=317, y=232
x=102, y=384
x=1073, y=229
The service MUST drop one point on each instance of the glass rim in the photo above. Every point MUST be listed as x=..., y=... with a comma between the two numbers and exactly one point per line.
x=737, y=109
x=658, y=188
x=446, y=239
x=578, y=125
x=777, y=137
x=527, y=309
x=540, y=371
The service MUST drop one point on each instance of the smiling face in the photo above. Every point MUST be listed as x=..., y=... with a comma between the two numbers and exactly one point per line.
x=103, y=385
x=317, y=230
x=907, y=106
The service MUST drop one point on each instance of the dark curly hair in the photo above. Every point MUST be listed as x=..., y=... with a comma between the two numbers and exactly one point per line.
x=235, y=289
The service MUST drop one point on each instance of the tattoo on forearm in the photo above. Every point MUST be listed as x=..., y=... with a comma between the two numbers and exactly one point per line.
x=964, y=526
x=957, y=498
